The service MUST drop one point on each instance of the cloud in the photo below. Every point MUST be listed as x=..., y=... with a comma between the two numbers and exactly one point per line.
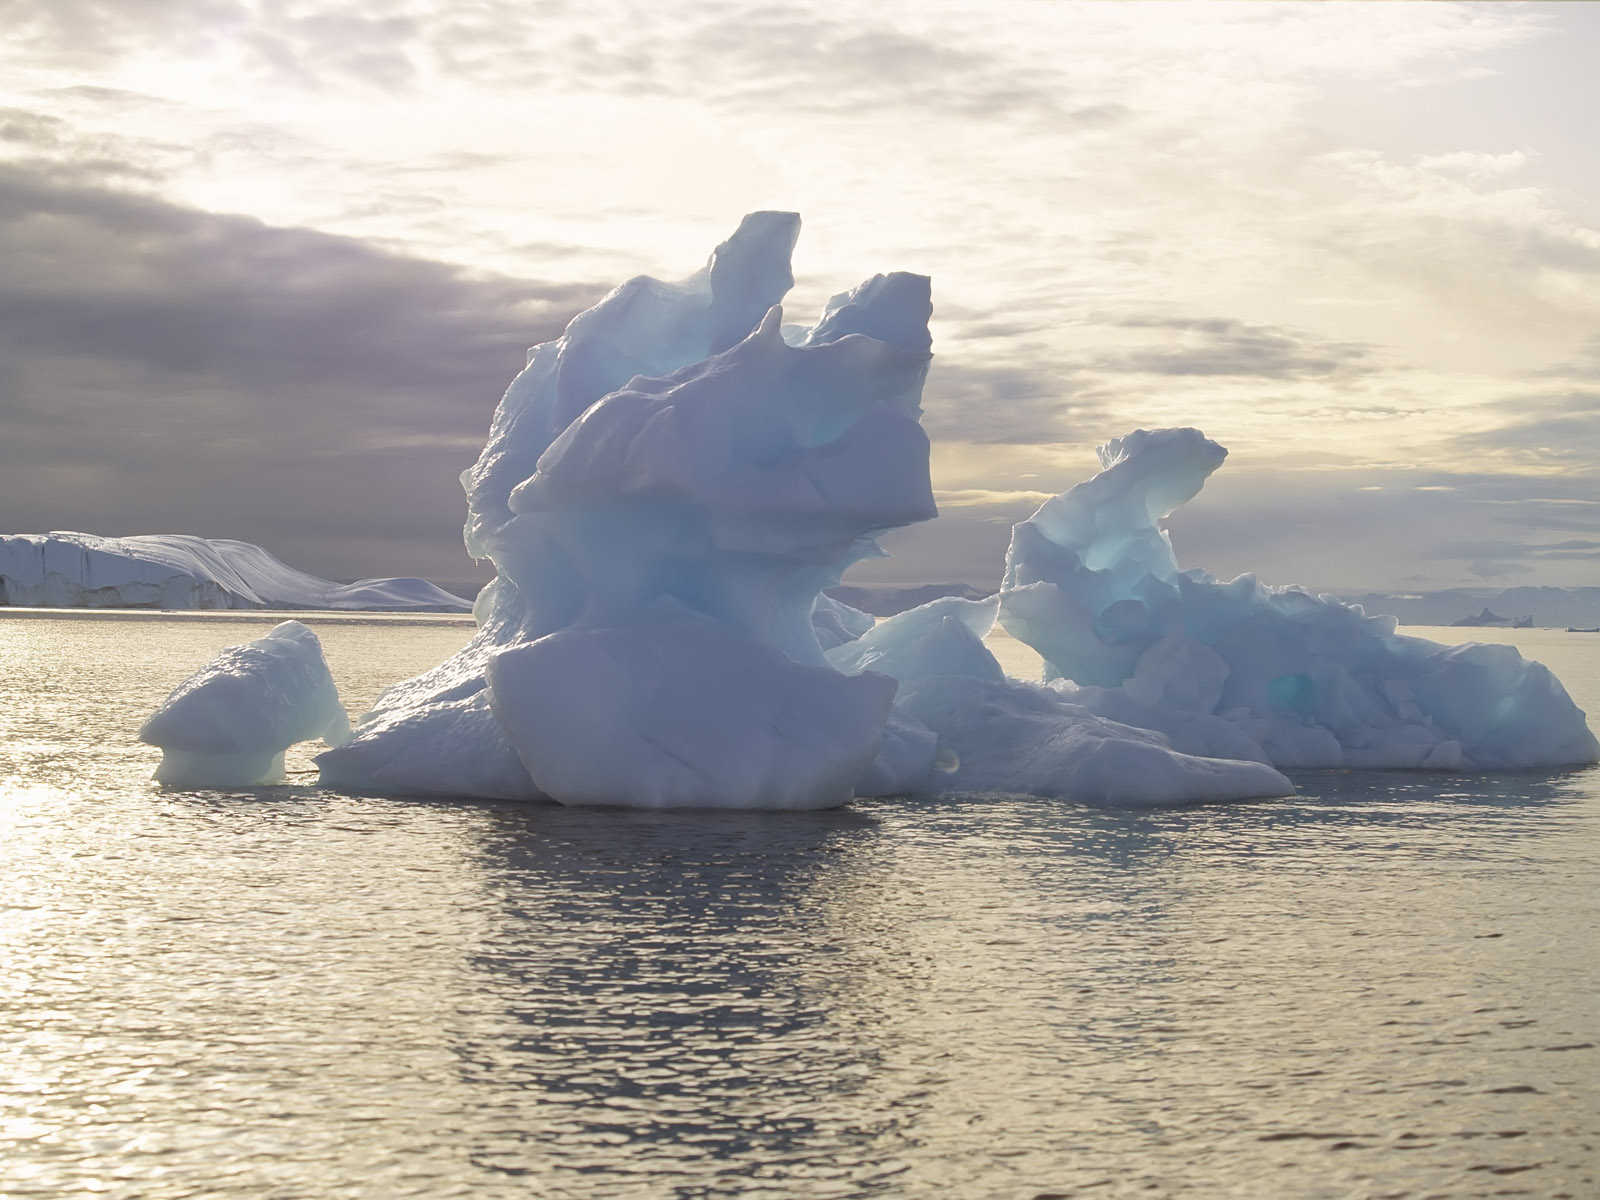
x=1511, y=257
x=1483, y=569
x=1292, y=287
x=1475, y=164
x=1552, y=430
x=1227, y=346
x=22, y=127
x=989, y=497
x=166, y=370
x=1574, y=549
x=1009, y=404
x=307, y=43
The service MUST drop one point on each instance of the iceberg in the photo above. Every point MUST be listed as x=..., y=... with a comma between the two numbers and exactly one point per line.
x=676, y=712
x=1244, y=670
x=176, y=571
x=228, y=724
x=666, y=490
x=665, y=493
x=995, y=734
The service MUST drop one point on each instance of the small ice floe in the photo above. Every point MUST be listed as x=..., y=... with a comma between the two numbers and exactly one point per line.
x=228, y=724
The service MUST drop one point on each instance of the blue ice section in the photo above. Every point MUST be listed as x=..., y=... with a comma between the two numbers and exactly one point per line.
x=669, y=486
x=1243, y=669
x=665, y=492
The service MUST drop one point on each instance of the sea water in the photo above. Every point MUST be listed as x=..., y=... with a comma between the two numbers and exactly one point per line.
x=1384, y=986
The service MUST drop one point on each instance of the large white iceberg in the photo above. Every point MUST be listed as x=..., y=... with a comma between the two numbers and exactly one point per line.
x=1241, y=669
x=228, y=724
x=666, y=490
x=176, y=571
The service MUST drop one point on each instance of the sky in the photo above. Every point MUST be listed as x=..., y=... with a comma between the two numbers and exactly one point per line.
x=266, y=266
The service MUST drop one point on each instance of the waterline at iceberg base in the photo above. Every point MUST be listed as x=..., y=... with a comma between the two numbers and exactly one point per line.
x=668, y=487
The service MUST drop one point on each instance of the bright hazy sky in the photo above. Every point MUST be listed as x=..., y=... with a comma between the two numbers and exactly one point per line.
x=268, y=264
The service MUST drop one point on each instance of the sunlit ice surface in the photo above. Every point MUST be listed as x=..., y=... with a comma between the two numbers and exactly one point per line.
x=1383, y=984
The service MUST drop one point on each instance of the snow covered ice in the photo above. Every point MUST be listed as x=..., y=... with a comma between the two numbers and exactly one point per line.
x=176, y=571
x=668, y=487
x=229, y=723
x=1244, y=670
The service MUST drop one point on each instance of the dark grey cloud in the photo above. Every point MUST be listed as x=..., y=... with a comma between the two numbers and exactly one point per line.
x=1226, y=346
x=36, y=139
x=168, y=370
x=964, y=545
x=30, y=130
x=1558, y=430
x=1574, y=549
x=1089, y=399
x=1006, y=405
x=1483, y=569
x=1357, y=527
x=1339, y=530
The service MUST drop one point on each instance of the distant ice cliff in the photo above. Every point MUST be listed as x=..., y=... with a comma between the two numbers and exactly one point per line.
x=175, y=571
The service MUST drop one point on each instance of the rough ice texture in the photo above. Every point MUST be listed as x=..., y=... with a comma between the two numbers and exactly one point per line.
x=1025, y=739
x=175, y=571
x=1244, y=670
x=678, y=471
x=666, y=490
x=677, y=713
x=229, y=723
x=942, y=637
x=668, y=487
x=996, y=734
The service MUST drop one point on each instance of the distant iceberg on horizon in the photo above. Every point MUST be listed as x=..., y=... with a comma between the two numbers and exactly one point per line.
x=179, y=572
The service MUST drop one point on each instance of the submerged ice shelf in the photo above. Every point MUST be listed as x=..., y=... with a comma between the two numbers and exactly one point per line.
x=668, y=487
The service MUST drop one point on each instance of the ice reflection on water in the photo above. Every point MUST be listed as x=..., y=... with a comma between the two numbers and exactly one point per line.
x=1384, y=986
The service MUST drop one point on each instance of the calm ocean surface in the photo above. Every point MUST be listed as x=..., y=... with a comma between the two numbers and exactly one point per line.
x=1385, y=986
